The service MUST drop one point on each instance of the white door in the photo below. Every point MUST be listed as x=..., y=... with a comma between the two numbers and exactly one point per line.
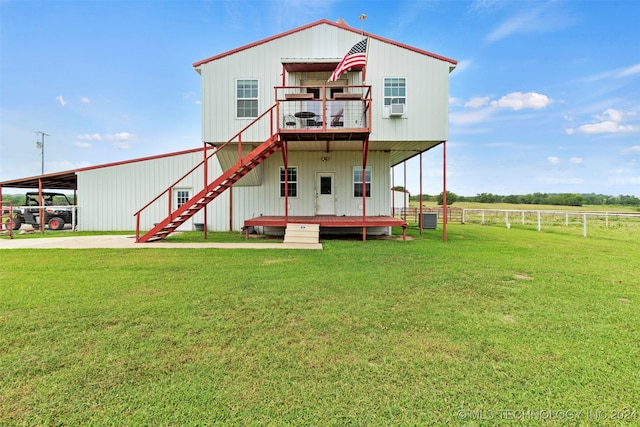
x=325, y=193
x=180, y=197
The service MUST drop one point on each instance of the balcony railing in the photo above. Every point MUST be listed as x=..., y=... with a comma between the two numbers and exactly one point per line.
x=324, y=109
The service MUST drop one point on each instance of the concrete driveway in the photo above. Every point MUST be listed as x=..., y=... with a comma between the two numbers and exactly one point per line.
x=128, y=242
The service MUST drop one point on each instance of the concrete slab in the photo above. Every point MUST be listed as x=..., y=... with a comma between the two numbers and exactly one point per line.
x=128, y=242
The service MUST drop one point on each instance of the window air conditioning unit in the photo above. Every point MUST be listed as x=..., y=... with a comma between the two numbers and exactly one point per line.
x=397, y=109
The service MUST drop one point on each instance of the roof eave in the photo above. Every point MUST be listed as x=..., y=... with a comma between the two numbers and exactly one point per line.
x=197, y=65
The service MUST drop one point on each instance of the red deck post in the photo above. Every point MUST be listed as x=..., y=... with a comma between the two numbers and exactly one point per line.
x=420, y=213
x=444, y=194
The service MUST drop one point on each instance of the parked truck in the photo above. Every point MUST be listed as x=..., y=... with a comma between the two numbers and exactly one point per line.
x=58, y=211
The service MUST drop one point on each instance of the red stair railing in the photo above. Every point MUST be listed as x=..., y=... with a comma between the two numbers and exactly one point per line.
x=204, y=163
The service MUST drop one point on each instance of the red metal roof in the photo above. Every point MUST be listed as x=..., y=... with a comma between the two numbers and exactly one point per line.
x=67, y=180
x=323, y=22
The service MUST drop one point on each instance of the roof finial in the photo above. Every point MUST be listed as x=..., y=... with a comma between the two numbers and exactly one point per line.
x=362, y=19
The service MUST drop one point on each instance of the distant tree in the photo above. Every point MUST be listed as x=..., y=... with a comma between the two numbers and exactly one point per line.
x=512, y=198
x=629, y=200
x=451, y=198
x=15, y=199
x=487, y=198
x=398, y=188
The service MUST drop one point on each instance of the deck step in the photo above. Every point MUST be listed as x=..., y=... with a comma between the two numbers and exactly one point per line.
x=302, y=233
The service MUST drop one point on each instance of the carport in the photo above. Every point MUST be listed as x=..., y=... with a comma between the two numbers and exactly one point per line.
x=54, y=181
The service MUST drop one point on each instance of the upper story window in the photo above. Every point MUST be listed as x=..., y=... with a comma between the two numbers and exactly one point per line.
x=247, y=98
x=292, y=181
x=359, y=179
x=395, y=90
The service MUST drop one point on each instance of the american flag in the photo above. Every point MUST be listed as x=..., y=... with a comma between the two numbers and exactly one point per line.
x=357, y=56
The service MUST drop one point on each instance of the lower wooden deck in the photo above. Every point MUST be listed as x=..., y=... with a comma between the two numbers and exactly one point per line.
x=328, y=221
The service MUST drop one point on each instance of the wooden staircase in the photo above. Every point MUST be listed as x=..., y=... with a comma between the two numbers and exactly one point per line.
x=213, y=190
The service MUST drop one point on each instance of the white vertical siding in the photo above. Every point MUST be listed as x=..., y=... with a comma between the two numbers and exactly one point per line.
x=108, y=197
x=427, y=84
x=250, y=202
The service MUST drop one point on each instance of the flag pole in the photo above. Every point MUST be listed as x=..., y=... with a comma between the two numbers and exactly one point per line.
x=363, y=17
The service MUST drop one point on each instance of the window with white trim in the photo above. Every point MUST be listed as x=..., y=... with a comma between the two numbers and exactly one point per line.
x=359, y=178
x=292, y=181
x=395, y=90
x=246, y=98
x=182, y=196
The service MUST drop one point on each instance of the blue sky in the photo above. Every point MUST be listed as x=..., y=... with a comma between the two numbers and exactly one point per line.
x=545, y=98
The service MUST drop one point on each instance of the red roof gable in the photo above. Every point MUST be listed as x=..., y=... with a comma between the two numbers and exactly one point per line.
x=323, y=22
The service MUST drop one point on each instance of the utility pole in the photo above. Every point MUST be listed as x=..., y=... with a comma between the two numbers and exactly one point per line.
x=40, y=145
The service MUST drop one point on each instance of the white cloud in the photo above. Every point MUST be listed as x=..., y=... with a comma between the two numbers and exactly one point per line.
x=514, y=25
x=122, y=145
x=616, y=74
x=81, y=144
x=576, y=160
x=561, y=181
x=520, y=101
x=632, y=150
x=541, y=19
x=609, y=122
x=634, y=69
x=570, y=131
x=61, y=100
x=477, y=102
x=85, y=100
x=472, y=117
x=613, y=115
x=121, y=136
x=605, y=127
x=553, y=160
x=461, y=67
x=121, y=140
x=92, y=137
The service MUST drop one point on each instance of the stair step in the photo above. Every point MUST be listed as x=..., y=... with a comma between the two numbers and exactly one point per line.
x=302, y=233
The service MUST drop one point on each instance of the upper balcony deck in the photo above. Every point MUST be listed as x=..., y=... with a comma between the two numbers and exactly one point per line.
x=331, y=113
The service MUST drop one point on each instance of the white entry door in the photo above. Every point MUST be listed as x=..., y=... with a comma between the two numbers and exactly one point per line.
x=180, y=197
x=325, y=193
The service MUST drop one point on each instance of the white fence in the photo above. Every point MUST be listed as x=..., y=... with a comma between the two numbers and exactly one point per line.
x=546, y=218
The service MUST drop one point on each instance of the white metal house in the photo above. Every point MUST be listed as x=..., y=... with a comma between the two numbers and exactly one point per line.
x=299, y=143
x=283, y=143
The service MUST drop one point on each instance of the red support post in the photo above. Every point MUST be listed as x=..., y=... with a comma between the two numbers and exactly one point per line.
x=365, y=152
x=444, y=194
x=206, y=182
x=41, y=203
x=420, y=210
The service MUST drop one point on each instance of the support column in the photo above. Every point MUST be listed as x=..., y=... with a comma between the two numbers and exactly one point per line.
x=365, y=152
x=444, y=194
x=420, y=210
x=285, y=162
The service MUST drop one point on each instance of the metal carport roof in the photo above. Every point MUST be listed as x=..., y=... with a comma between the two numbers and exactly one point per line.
x=66, y=180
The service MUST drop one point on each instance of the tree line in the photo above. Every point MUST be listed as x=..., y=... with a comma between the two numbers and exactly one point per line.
x=559, y=199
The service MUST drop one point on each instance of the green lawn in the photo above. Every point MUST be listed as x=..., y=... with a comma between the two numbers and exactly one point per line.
x=382, y=332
